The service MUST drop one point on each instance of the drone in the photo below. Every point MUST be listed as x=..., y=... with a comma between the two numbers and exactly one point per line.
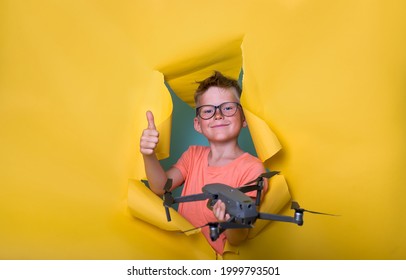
x=241, y=207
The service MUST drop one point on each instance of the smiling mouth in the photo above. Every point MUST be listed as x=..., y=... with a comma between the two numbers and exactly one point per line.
x=219, y=125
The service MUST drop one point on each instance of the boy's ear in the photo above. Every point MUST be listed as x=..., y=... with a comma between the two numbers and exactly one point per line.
x=196, y=124
x=244, y=120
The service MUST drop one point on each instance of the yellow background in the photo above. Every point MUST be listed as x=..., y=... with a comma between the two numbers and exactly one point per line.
x=76, y=78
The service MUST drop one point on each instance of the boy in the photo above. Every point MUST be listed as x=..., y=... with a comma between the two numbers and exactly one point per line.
x=220, y=118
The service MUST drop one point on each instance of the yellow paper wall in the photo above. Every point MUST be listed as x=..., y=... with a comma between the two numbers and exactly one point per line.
x=76, y=78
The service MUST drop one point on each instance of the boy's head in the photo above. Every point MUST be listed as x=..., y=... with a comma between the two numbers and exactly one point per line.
x=217, y=80
x=219, y=115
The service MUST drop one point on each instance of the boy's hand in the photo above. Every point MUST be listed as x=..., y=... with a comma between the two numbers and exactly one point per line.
x=219, y=211
x=234, y=236
x=150, y=136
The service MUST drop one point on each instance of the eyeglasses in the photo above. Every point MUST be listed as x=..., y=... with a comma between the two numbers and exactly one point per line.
x=227, y=109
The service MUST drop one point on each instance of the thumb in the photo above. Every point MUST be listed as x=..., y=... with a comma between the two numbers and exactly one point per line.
x=150, y=119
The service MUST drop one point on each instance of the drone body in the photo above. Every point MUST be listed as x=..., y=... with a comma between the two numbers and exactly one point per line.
x=239, y=206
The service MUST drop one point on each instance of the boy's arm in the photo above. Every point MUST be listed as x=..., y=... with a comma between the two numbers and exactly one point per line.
x=156, y=175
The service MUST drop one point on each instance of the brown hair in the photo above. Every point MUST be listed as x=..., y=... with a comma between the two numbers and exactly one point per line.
x=217, y=80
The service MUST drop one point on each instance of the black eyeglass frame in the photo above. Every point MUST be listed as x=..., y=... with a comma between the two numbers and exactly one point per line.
x=215, y=110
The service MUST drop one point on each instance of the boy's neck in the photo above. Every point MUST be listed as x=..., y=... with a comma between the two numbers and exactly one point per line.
x=220, y=154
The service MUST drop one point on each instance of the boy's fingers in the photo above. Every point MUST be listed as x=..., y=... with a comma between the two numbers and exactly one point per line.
x=219, y=211
x=150, y=119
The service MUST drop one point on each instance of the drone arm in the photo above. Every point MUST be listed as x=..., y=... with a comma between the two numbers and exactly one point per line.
x=193, y=197
x=297, y=219
x=168, y=201
x=249, y=188
x=259, y=186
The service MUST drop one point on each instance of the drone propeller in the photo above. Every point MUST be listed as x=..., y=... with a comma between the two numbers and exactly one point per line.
x=295, y=205
x=168, y=198
x=193, y=229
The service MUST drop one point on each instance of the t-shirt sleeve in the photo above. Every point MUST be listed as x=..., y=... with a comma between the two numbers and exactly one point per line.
x=184, y=162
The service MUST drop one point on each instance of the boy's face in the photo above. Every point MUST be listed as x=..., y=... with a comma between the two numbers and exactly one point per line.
x=220, y=128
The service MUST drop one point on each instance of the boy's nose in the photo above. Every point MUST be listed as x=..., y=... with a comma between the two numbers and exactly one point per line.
x=218, y=114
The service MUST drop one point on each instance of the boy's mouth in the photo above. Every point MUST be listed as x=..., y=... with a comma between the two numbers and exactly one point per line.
x=219, y=125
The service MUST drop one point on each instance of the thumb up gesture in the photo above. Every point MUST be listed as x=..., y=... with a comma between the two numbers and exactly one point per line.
x=150, y=136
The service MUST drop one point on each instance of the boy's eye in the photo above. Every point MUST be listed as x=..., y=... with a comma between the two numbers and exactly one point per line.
x=228, y=107
x=208, y=111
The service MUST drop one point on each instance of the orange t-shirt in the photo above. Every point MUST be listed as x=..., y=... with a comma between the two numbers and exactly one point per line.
x=193, y=165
